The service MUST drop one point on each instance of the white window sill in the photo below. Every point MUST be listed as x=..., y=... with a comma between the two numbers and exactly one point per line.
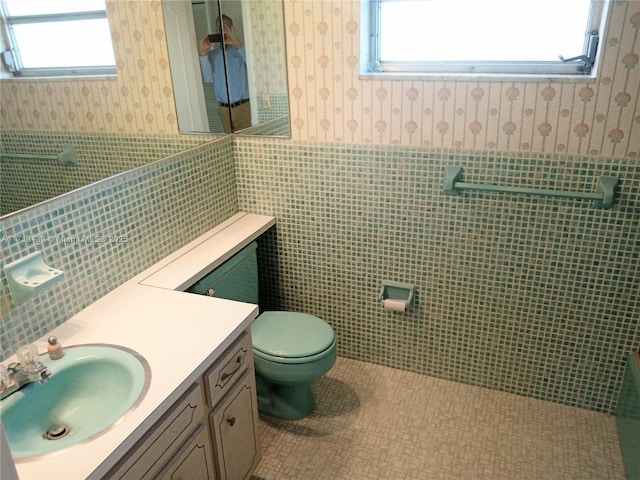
x=479, y=77
x=58, y=78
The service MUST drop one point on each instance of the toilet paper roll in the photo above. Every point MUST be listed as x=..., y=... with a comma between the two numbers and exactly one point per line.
x=395, y=305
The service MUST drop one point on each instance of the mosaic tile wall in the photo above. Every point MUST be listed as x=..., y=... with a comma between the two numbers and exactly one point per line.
x=530, y=295
x=26, y=182
x=154, y=210
x=273, y=106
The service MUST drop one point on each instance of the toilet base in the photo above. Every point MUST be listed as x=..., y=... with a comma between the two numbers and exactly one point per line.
x=287, y=402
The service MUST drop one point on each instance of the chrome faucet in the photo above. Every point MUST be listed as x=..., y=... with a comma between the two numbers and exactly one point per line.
x=29, y=369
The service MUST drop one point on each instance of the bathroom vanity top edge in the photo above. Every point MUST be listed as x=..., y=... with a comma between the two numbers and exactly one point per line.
x=185, y=266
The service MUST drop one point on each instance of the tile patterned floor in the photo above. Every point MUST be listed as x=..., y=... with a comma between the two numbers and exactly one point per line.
x=373, y=422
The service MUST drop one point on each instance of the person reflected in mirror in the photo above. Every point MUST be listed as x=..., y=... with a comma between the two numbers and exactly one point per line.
x=234, y=107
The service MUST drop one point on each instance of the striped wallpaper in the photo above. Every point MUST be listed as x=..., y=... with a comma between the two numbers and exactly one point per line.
x=139, y=100
x=330, y=102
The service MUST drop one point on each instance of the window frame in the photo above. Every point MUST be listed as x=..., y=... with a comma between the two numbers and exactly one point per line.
x=11, y=56
x=371, y=65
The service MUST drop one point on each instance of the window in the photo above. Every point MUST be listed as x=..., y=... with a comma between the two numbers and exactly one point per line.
x=61, y=37
x=545, y=37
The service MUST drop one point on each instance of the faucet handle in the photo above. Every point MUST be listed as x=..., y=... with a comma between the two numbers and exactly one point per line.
x=28, y=356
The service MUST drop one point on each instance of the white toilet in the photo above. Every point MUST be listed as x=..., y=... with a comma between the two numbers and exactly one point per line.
x=290, y=349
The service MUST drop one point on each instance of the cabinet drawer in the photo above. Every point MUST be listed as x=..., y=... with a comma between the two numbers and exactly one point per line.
x=220, y=378
x=165, y=438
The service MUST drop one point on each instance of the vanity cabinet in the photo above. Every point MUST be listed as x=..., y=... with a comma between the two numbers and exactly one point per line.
x=210, y=433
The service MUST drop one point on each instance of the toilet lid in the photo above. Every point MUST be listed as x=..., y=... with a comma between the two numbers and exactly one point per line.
x=291, y=334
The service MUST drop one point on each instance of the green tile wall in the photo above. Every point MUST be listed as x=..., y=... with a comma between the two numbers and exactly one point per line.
x=272, y=106
x=157, y=208
x=28, y=181
x=531, y=295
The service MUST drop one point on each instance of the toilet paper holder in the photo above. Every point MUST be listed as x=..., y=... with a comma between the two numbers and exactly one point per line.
x=397, y=291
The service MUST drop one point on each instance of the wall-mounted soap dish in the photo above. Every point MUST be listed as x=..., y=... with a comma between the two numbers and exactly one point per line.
x=30, y=276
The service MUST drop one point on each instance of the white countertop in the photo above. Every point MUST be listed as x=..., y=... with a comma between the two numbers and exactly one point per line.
x=179, y=334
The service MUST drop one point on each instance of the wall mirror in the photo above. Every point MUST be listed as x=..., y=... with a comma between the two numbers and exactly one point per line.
x=259, y=26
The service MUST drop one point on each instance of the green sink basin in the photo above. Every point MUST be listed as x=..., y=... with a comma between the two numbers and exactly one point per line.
x=90, y=389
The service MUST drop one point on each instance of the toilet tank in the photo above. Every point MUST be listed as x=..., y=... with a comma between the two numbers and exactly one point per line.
x=235, y=279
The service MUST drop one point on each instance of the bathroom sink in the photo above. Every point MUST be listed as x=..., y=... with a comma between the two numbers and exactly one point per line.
x=90, y=390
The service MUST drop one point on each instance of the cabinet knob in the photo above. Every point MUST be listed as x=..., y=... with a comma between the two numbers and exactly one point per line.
x=232, y=421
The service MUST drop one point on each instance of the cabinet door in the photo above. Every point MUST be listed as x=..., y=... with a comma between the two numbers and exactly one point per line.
x=194, y=461
x=234, y=427
x=152, y=452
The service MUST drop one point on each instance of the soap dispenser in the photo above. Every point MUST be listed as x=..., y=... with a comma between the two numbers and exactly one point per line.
x=54, y=348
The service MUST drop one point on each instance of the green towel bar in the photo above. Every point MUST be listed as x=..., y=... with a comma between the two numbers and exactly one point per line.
x=67, y=157
x=603, y=196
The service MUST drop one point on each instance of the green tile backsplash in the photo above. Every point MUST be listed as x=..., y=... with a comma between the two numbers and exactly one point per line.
x=141, y=217
x=530, y=295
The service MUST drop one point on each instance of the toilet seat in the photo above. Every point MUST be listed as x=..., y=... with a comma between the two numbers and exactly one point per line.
x=291, y=337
